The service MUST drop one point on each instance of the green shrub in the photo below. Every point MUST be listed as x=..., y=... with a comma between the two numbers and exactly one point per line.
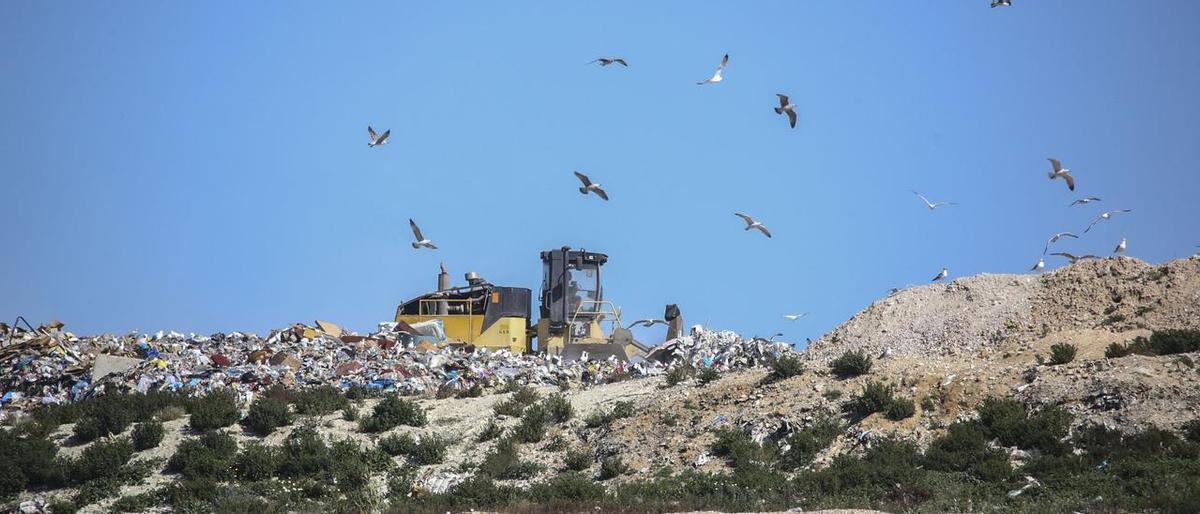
x=217, y=409
x=577, y=460
x=319, y=401
x=350, y=413
x=430, y=449
x=679, y=373
x=532, y=427
x=875, y=397
x=504, y=463
x=557, y=444
x=522, y=397
x=103, y=459
x=147, y=434
x=901, y=408
x=1008, y=421
x=267, y=414
x=1117, y=350
x=964, y=449
x=786, y=366
x=397, y=444
x=208, y=456
x=490, y=431
x=392, y=412
x=256, y=462
x=1062, y=353
x=600, y=418
x=303, y=453
x=1167, y=342
x=1191, y=430
x=851, y=364
x=12, y=482
x=558, y=408
x=832, y=394
x=567, y=489
x=707, y=375
x=804, y=444
x=736, y=446
x=34, y=461
x=612, y=467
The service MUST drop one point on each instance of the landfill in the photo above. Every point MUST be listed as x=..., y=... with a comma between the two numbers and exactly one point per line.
x=49, y=365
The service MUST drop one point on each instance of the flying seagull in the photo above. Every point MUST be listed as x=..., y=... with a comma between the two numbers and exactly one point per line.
x=588, y=186
x=794, y=317
x=717, y=75
x=1104, y=216
x=929, y=204
x=1120, y=249
x=1054, y=239
x=750, y=223
x=1001, y=3
x=605, y=61
x=1073, y=258
x=648, y=322
x=421, y=242
x=1059, y=171
x=376, y=139
x=1041, y=263
x=785, y=105
x=942, y=275
x=767, y=340
x=1084, y=201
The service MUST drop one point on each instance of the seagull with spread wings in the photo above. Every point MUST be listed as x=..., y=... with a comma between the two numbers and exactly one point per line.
x=785, y=106
x=1054, y=239
x=589, y=187
x=751, y=224
x=794, y=317
x=1059, y=171
x=648, y=322
x=932, y=205
x=717, y=75
x=1084, y=201
x=1001, y=3
x=1074, y=258
x=605, y=61
x=377, y=139
x=1104, y=216
x=420, y=242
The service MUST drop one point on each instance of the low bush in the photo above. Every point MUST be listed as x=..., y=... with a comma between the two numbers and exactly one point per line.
x=504, y=463
x=832, y=394
x=804, y=444
x=786, y=366
x=350, y=413
x=964, y=449
x=679, y=373
x=900, y=408
x=1062, y=353
x=568, y=490
x=1008, y=421
x=577, y=460
x=738, y=449
x=103, y=459
x=875, y=397
x=707, y=375
x=208, y=456
x=429, y=449
x=319, y=401
x=600, y=418
x=32, y=461
x=490, y=431
x=557, y=444
x=1167, y=342
x=532, y=427
x=1117, y=350
x=267, y=414
x=217, y=409
x=147, y=434
x=612, y=467
x=851, y=364
x=558, y=408
x=392, y=412
x=256, y=462
x=1191, y=430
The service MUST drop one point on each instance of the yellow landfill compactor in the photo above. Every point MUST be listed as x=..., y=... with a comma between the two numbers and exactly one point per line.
x=572, y=308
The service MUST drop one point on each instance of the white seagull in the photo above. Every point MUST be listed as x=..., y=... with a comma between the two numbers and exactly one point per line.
x=1059, y=171
x=605, y=61
x=750, y=223
x=794, y=317
x=1105, y=216
x=1120, y=249
x=716, y=76
x=1041, y=263
x=1084, y=201
x=942, y=275
x=421, y=242
x=1001, y=3
x=785, y=105
x=1054, y=239
x=929, y=204
x=377, y=139
x=648, y=322
x=588, y=186
x=1073, y=258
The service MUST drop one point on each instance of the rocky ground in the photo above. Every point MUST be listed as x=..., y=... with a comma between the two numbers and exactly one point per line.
x=946, y=346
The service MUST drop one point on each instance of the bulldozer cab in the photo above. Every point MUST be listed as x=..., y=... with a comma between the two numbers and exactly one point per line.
x=573, y=308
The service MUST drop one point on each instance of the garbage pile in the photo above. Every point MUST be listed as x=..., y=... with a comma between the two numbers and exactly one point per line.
x=49, y=365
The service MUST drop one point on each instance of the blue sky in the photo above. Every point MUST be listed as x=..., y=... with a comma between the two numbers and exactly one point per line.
x=203, y=166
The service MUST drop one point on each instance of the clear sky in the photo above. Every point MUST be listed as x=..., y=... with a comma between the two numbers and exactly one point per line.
x=202, y=166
